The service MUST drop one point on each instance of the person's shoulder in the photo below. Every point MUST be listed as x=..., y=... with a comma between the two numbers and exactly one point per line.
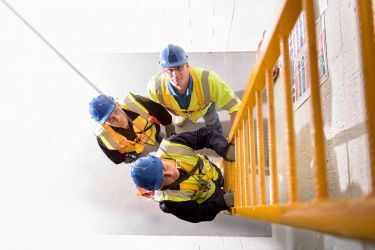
x=155, y=80
x=145, y=101
x=199, y=69
x=98, y=130
x=140, y=97
x=212, y=75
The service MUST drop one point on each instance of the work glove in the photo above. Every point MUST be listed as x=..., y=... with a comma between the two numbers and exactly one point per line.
x=229, y=199
x=170, y=130
x=231, y=153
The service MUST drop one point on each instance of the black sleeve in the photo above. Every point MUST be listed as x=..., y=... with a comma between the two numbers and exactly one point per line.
x=193, y=212
x=115, y=156
x=203, y=138
x=155, y=109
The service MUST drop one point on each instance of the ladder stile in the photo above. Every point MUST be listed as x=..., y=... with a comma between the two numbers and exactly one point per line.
x=290, y=135
x=272, y=149
x=317, y=123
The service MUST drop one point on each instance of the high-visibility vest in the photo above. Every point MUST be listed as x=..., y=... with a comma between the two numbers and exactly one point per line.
x=200, y=97
x=143, y=127
x=200, y=184
x=208, y=87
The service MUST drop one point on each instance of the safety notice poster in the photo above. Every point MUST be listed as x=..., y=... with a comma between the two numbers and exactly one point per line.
x=298, y=59
x=297, y=53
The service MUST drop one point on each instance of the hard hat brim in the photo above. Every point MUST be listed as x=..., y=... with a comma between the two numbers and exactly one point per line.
x=172, y=65
x=147, y=172
x=105, y=117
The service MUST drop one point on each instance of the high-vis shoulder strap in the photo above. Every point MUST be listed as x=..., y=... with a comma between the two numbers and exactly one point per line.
x=135, y=106
x=206, y=87
x=197, y=88
x=158, y=88
x=178, y=149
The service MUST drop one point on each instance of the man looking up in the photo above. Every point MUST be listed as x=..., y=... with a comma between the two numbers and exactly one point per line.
x=189, y=92
x=129, y=126
x=186, y=184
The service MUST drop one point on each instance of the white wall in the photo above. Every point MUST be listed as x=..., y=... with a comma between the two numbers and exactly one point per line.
x=344, y=130
x=147, y=26
x=43, y=119
x=56, y=185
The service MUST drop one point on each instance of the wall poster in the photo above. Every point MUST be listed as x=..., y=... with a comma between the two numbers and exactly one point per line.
x=298, y=59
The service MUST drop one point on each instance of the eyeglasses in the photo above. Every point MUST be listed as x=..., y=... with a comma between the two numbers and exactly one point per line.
x=177, y=69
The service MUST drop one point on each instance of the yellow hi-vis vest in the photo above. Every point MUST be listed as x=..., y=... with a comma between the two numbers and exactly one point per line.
x=199, y=186
x=200, y=97
x=143, y=127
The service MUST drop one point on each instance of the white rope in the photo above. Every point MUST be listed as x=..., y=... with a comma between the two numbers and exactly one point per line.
x=59, y=54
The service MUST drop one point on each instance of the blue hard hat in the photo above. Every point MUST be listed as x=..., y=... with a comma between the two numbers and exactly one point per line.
x=172, y=56
x=101, y=107
x=147, y=172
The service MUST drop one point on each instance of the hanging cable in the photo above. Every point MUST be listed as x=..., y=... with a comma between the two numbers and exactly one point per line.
x=51, y=47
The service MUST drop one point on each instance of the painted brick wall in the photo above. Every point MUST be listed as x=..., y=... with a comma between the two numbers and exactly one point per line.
x=344, y=129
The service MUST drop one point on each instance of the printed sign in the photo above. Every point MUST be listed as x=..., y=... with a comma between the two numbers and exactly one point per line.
x=298, y=59
x=297, y=54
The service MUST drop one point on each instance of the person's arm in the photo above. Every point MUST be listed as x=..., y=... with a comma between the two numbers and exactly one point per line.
x=203, y=138
x=155, y=109
x=193, y=212
x=115, y=156
x=233, y=117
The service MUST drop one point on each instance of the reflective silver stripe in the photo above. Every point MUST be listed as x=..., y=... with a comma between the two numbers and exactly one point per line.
x=111, y=141
x=133, y=107
x=158, y=88
x=178, y=150
x=205, y=87
x=230, y=104
x=173, y=195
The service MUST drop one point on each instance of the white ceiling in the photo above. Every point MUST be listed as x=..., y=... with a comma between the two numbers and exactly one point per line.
x=95, y=26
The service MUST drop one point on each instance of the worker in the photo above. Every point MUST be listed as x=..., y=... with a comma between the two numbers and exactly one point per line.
x=189, y=92
x=129, y=126
x=186, y=184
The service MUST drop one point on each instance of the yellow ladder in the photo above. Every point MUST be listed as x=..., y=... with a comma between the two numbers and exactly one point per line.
x=353, y=217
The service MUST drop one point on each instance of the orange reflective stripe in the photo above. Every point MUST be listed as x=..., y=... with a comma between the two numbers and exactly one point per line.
x=108, y=139
x=119, y=142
